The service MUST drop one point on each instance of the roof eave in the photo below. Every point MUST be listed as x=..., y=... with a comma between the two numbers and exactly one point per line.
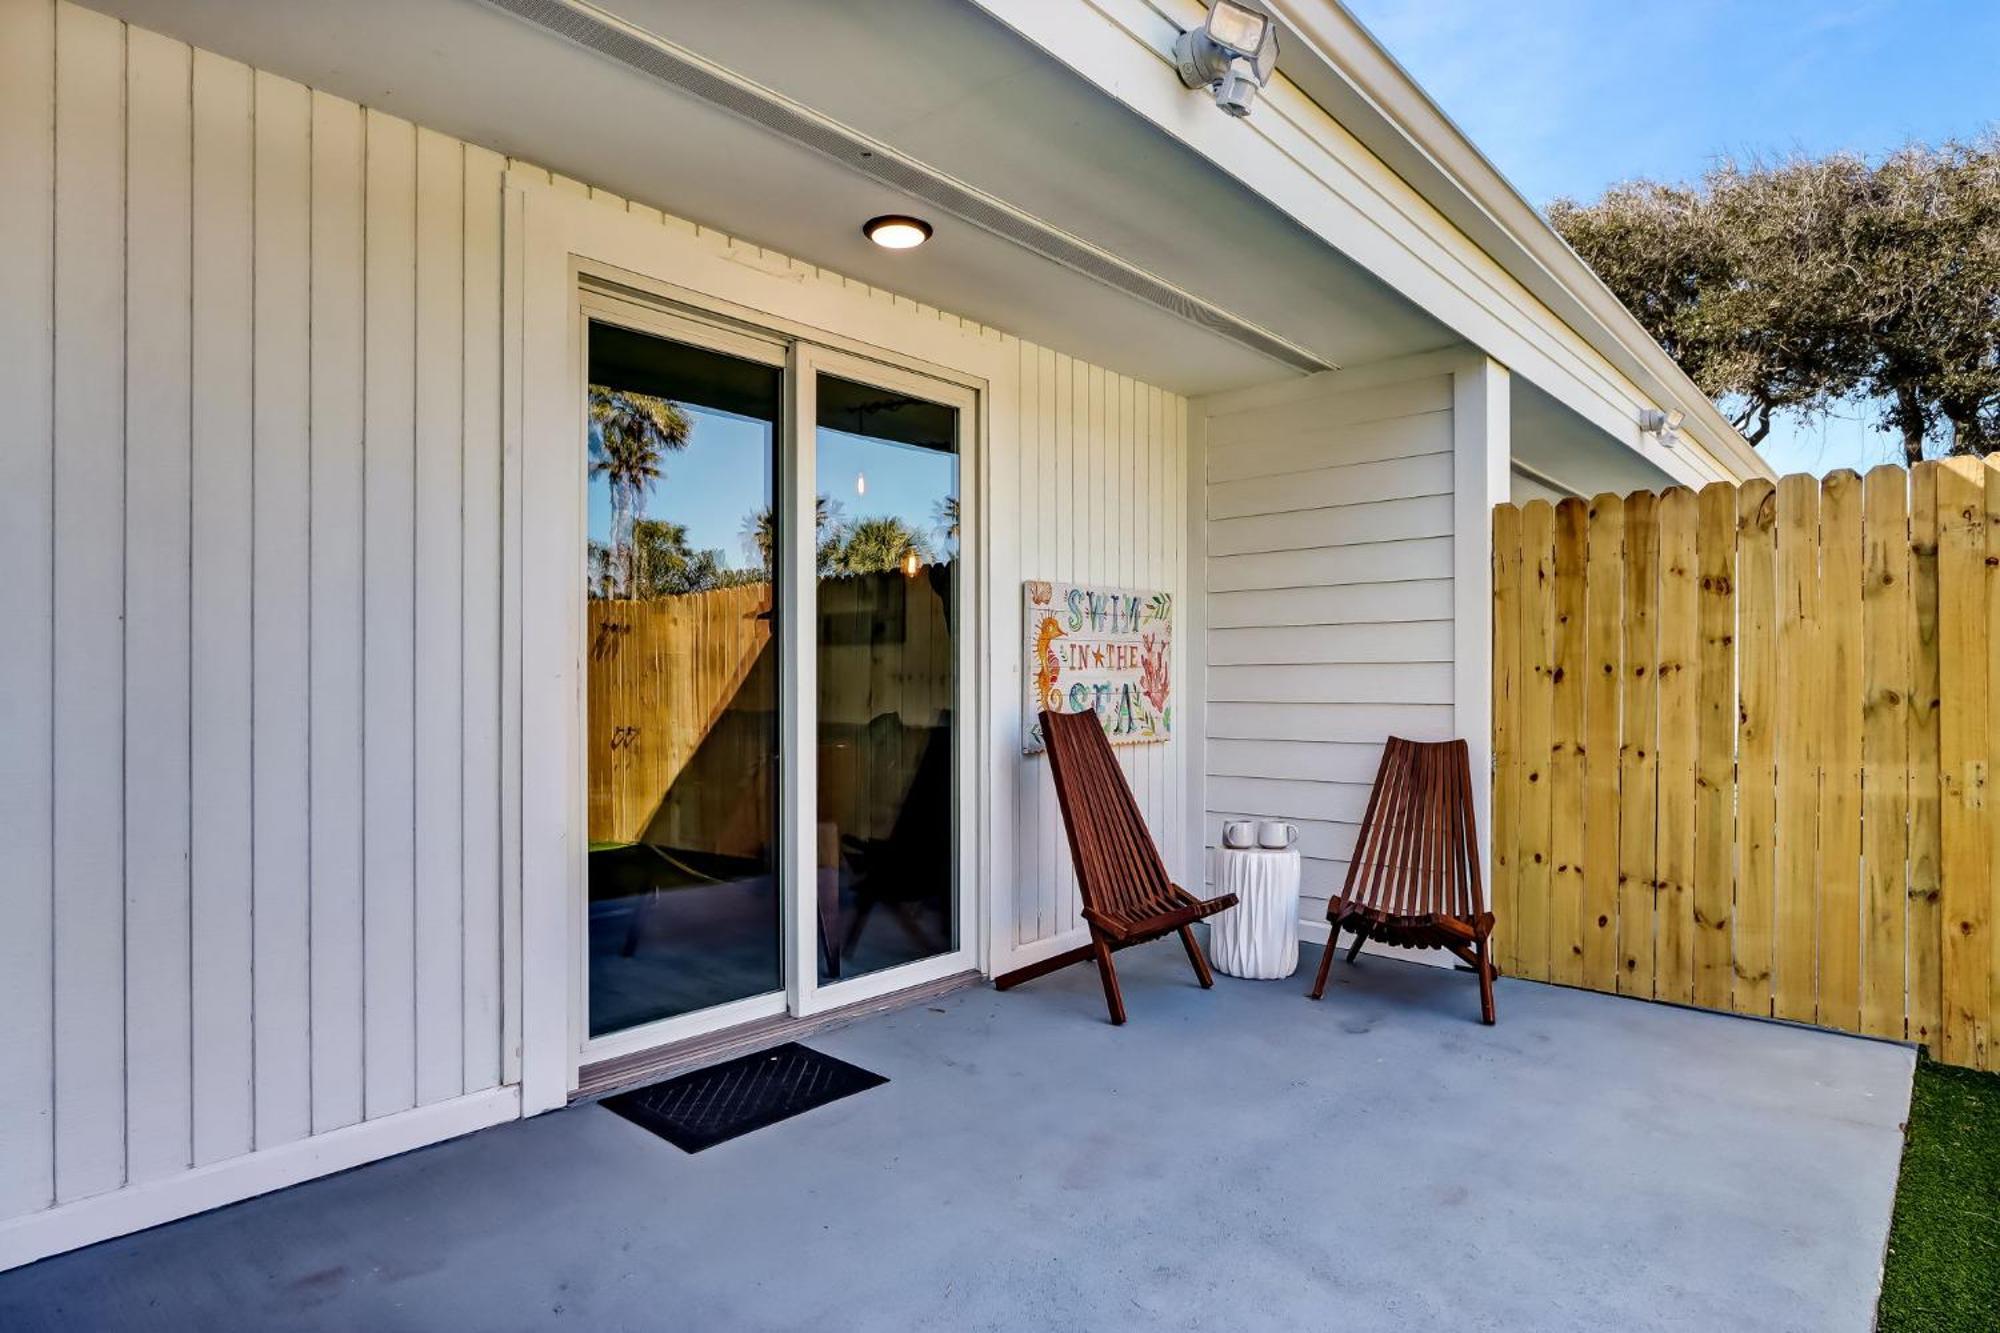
x=1335, y=60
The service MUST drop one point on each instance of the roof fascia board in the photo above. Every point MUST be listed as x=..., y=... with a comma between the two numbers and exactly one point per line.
x=1338, y=63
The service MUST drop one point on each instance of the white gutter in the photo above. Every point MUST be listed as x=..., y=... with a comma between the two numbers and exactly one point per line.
x=1335, y=61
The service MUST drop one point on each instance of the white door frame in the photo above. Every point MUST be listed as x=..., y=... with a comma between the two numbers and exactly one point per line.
x=556, y=240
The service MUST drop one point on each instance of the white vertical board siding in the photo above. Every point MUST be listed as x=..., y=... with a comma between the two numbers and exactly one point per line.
x=278, y=480
x=388, y=614
x=438, y=1054
x=27, y=605
x=222, y=562
x=250, y=503
x=158, y=265
x=337, y=631
x=89, y=541
x=1100, y=464
x=1329, y=575
x=482, y=716
x=260, y=801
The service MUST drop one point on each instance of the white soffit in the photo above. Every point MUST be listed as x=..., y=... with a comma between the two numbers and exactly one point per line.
x=1558, y=444
x=938, y=81
x=681, y=69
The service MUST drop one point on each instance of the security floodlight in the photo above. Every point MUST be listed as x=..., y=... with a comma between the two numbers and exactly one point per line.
x=1233, y=53
x=1665, y=425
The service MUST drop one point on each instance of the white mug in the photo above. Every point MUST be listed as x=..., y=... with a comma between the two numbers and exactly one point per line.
x=1239, y=833
x=1275, y=835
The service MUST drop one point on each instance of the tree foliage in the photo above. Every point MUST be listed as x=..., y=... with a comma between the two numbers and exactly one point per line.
x=629, y=435
x=760, y=535
x=875, y=545
x=1789, y=286
x=665, y=565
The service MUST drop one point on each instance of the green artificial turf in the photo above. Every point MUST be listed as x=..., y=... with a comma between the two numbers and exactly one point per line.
x=1943, y=1269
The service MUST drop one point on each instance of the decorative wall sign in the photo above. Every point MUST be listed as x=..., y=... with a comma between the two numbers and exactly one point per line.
x=1102, y=650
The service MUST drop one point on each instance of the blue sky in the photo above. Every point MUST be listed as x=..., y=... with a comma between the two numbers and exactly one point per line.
x=713, y=485
x=724, y=475
x=1569, y=96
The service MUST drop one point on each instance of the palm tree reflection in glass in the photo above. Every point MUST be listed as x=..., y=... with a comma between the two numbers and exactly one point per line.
x=629, y=434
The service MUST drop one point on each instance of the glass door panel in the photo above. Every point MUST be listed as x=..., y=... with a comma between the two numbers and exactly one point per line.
x=887, y=563
x=681, y=679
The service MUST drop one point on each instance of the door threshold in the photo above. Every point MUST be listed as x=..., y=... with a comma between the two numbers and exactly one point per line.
x=650, y=1066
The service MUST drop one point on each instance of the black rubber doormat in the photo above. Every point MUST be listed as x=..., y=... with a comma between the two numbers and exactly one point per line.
x=713, y=1105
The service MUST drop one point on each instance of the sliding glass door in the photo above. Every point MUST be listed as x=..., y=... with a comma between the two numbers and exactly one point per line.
x=681, y=678
x=773, y=648
x=887, y=645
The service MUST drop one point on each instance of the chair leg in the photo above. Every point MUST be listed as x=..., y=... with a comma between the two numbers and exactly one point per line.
x=1114, y=1000
x=1326, y=959
x=1360, y=938
x=1201, y=972
x=1485, y=985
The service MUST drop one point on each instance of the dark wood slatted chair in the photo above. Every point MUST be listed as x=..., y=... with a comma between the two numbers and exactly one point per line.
x=1414, y=877
x=1127, y=897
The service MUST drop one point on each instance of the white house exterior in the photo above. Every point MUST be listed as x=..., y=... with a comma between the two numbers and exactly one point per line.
x=293, y=304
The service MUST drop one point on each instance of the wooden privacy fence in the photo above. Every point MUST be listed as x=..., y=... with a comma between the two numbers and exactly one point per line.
x=1741, y=743
x=660, y=675
x=681, y=707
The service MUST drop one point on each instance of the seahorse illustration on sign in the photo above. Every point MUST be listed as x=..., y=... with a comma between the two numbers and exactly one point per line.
x=1046, y=666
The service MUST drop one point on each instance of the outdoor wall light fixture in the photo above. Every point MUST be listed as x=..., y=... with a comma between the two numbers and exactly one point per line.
x=1233, y=53
x=1663, y=425
x=893, y=231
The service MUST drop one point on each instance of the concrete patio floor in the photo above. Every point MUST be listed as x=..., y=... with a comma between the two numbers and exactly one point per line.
x=1243, y=1159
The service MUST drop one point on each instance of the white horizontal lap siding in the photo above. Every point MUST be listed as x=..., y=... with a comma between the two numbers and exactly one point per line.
x=250, y=518
x=1329, y=574
x=1101, y=474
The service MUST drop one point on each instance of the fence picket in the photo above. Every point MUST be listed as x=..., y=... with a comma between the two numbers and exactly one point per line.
x=1680, y=652
x=1531, y=942
x=1925, y=999
x=1715, y=750
x=1566, y=763
x=1604, y=611
x=1838, y=704
x=1639, y=702
x=1887, y=620
x=1798, y=747
x=1506, y=728
x=1753, y=957
x=1989, y=1050
x=1962, y=683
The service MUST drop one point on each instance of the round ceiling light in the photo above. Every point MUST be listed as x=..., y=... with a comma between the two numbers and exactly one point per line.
x=893, y=231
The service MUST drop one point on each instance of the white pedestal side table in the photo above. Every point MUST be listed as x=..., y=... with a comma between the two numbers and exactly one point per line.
x=1259, y=937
